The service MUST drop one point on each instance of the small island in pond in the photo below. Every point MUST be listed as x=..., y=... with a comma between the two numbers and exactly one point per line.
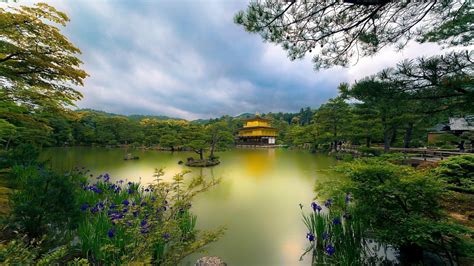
x=202, y=163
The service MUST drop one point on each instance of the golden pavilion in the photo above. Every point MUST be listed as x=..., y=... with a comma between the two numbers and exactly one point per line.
x=257, y=131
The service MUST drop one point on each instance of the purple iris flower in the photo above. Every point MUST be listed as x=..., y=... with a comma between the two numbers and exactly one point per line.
x=328, y=203
x=130, y=191
x=330, y=250
x=94, y=210
x=125, y=202
x=336, y=221
x=143, y=223
x=166, y=236
x=316, y=207
x=310, y=237
x=111, y=233
x=84, y=207
x=135, y=213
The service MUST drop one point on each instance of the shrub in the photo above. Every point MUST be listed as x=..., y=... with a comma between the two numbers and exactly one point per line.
x=23, y=155
x=408, y=199
x=45, y=202
x=457, y=173
x=124, y=222
x=111, y=222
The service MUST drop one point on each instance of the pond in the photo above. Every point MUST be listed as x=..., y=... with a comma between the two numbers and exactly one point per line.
x=257, y=200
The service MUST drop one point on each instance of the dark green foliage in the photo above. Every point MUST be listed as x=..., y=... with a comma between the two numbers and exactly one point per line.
x=401, y=206
x=23, y=155
x=124, y=223
x=45, y=202
x=370, y=151
x=457, y=172
x=459, y=27
x=339, y=32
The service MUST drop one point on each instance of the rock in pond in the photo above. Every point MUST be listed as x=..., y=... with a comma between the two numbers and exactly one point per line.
x=210, y=261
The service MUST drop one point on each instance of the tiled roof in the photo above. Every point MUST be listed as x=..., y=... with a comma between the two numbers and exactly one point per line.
x=462, y=123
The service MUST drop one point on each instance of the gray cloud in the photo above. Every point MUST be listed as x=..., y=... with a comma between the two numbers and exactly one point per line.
x=188, y=59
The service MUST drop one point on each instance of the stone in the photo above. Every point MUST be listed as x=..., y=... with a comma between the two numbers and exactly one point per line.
x=210, y=261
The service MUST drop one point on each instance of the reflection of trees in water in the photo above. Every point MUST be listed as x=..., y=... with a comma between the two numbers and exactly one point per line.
x=220, y=192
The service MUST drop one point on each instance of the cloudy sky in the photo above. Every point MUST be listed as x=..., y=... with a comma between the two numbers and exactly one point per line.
x=188, y=59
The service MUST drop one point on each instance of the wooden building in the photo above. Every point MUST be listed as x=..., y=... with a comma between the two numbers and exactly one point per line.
x=456, y=126
x=257, y=131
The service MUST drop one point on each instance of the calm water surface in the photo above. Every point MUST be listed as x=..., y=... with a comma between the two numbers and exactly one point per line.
x=257, y=199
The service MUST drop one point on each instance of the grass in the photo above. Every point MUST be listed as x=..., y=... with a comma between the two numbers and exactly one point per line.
x=459, y=206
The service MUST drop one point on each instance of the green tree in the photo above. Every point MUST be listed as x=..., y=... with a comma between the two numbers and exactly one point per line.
x=338, y=31
x=332, y=120
x=38, y=65
x=170, y=140
x=39, y=69
x=385, y=101
x=219, y=135
x=440, y=83
x=365, y=124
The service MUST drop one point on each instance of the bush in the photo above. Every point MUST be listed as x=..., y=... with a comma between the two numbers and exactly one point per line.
x=408, y=199
x=124, y=222
x=23, y=155
x=457, y=173
x=45, y=202
x=111, y=223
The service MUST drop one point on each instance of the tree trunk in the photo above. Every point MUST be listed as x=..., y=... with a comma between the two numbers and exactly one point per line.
x=213, y=146
x=386, y=140
x=393, y=138
x=408, y=134
x=368, y=141
x=200, y=154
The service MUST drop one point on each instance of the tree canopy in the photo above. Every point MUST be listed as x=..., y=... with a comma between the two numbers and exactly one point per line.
x=38, y=65
x=339, y=32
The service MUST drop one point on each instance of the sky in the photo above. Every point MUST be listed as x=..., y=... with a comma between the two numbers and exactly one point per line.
x=188, y=59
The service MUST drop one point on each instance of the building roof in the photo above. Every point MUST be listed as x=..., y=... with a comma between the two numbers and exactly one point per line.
x=462, y=123
x=439, y=128
x=256, y=127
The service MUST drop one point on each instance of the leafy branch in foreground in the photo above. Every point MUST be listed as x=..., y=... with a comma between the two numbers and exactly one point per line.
x=341, y=31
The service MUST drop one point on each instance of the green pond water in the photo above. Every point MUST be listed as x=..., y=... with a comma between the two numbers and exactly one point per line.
x=257, y=199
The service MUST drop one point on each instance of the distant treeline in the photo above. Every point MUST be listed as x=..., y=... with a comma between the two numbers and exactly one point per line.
x=332, y=123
